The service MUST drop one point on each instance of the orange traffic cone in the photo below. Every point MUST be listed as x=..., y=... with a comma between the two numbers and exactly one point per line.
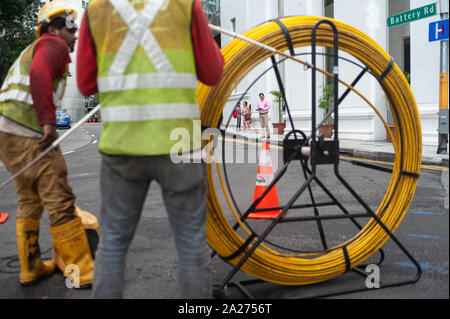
x=263, y=179
x=3, y=217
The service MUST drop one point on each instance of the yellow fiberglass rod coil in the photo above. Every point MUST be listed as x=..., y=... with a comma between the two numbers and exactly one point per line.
x=301, y=269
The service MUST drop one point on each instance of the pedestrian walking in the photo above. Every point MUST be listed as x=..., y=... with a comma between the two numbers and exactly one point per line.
x=146, y=58
x=247, y=114
x=238, y=115
x=263, y=108
x=29, y=96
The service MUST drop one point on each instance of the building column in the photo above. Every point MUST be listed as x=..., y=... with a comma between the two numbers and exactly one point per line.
x=357, y=119
x=297, y=79
x=425, y=74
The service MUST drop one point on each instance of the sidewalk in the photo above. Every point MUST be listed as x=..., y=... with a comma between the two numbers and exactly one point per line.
x=374, y=150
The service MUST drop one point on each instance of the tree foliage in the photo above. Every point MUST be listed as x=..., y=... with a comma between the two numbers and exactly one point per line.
x=17, y=30
x=278, y=98
x=327, y=97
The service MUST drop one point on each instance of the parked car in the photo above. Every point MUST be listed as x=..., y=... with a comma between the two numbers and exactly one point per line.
x=63, y=119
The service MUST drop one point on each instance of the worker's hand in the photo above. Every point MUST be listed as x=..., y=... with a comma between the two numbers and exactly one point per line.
x=49, y=137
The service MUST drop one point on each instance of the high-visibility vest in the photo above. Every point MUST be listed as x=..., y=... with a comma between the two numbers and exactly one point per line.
x=146, y=76
x=16, y=102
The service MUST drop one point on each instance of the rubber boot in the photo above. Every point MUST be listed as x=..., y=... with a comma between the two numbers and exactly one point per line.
x=71, y=248
x=32, y=269
x=89, y=221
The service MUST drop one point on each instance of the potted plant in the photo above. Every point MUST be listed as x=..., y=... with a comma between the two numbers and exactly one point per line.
x=325, y=103
x=280, y=125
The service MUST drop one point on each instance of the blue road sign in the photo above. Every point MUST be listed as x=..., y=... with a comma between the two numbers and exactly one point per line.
x=438, y=30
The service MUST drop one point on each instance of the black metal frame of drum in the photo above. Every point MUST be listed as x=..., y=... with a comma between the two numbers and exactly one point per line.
x=321, y=152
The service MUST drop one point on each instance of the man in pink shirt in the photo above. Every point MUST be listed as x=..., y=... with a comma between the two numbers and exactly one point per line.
x=263, y=108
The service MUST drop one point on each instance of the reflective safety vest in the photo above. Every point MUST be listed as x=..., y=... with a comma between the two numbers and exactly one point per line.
x=146, y=76
x=16, y=102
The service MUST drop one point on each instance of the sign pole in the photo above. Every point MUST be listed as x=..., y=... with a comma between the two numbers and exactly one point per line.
x=443, y=87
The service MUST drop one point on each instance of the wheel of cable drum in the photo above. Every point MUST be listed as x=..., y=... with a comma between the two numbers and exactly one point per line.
x=300, y=269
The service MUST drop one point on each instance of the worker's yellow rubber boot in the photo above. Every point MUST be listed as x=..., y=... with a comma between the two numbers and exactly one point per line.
x=32, y=269
x=90, y=223
x=72, y=254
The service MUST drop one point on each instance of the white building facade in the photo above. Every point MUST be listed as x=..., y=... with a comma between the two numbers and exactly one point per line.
x=407, y=43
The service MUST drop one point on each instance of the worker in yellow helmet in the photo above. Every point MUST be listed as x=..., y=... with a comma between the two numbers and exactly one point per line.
x=32, y=90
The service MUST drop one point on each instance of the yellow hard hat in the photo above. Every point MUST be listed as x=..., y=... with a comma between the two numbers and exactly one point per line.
x=53, y=10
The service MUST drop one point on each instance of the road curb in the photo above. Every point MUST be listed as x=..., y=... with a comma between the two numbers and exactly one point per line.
x=390, y=157
x=354, y=152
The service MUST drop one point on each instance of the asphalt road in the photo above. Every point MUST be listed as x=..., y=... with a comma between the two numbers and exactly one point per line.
x=152, y=263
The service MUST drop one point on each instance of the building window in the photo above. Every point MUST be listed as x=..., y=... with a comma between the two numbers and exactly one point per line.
x=407, y=58
x=211, y=8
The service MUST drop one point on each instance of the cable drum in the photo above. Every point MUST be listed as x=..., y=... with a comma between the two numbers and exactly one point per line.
x=301, y=269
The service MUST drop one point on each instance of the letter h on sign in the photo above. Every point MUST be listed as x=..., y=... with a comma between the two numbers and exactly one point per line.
x=438, y=30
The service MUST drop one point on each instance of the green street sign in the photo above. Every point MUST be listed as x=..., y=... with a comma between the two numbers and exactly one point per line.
x=412, y=15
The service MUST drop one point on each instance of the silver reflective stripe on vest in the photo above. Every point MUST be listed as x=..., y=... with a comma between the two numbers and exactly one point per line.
x=58, y=95
x=147, y=81
x=17, y=79
x=133, y=113
x=138, y=33
x=61, y=88
x=166, y=77
x=25, y=97
x=56, y=100
x=11, y=127
x=17, y=95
